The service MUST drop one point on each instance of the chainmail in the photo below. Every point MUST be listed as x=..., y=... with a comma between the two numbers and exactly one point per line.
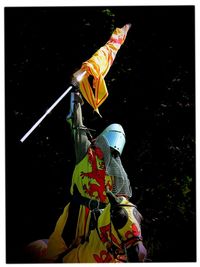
x=114, y=168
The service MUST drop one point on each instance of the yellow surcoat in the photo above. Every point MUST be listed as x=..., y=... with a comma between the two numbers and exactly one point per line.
x=90, y=178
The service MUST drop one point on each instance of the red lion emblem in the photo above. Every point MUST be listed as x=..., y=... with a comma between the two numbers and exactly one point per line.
x=98, y=173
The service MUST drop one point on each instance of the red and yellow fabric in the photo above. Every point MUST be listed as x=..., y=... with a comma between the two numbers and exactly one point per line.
x=91, y=180
x=98, y=66
x=96, y=249
x=90, y=176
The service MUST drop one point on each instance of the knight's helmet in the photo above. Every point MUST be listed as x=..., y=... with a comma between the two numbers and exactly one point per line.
x=115, y=137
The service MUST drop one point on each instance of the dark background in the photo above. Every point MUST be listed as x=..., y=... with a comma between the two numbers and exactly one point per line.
x=151, y=93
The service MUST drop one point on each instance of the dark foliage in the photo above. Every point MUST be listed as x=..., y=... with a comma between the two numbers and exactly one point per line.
x=151, y=93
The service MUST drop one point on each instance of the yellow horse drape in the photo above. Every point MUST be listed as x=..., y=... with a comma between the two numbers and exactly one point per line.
x=98, y=66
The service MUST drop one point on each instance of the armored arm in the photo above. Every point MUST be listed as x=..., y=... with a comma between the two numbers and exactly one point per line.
x=79, y=131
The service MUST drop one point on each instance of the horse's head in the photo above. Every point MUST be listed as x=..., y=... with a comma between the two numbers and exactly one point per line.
x=126, y=221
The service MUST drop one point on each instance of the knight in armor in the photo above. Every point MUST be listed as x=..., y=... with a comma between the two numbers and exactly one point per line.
x=98, y=169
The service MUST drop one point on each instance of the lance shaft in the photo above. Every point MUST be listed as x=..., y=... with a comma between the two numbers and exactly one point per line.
x=46, y=113
x=78, y=76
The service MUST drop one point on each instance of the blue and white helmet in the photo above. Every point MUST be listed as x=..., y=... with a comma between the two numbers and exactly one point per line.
x=115, y=137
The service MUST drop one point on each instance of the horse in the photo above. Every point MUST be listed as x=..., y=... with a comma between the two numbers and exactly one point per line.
x=116, y=237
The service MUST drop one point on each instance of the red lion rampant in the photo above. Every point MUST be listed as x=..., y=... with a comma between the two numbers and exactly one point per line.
x=98, y=174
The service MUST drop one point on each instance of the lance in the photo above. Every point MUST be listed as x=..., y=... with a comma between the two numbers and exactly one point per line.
x=78, y=76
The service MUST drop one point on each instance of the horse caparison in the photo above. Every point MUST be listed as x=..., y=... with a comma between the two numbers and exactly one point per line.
x=116, y=237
